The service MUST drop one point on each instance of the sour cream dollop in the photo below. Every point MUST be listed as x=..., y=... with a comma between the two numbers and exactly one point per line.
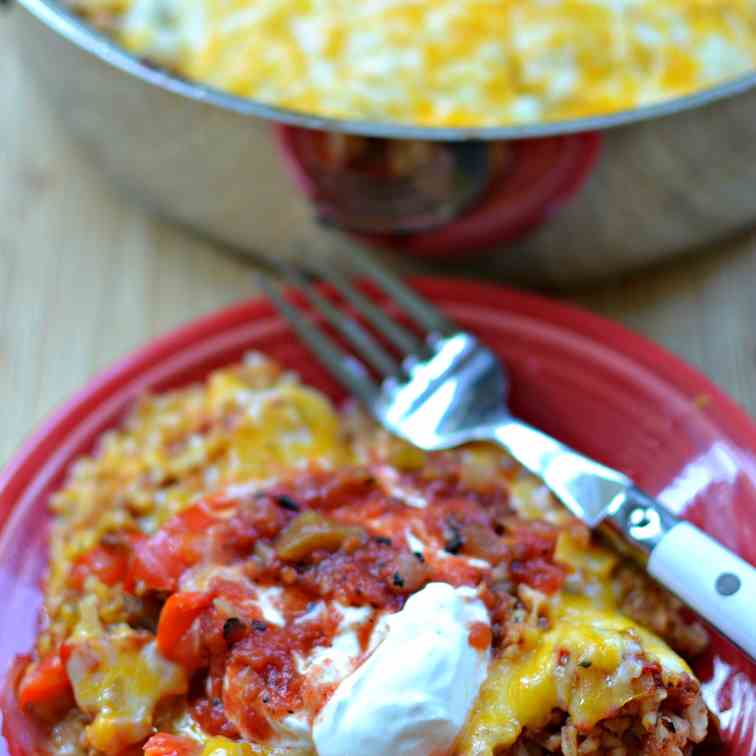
x=413, y=693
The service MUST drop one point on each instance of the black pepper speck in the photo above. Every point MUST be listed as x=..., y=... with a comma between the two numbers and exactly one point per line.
x=285, y=502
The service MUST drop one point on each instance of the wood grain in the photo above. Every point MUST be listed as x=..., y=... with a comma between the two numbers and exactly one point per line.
x=85, y=276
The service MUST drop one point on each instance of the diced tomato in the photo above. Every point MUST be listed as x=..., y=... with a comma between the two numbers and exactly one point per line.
x=540, y=574
x=198, y=517
x=44, y=681
x=24, y=734
x=156, y=562
x=210, y=715
x=159, y=561
x=176, y=618
x=456, y=572
x=164, y=744
x=66, y=649
x=325, y=490
x=533, y=539
x=479, y=636
x=109, y=564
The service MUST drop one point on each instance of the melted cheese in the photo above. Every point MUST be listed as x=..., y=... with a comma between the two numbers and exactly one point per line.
x=449, y=62
x=118, y=680
x=591, y=567
x=225, y=747
x=283, y=428
x=220, y=746
x=587, y=665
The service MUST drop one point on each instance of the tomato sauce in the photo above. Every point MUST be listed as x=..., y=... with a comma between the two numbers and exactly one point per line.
x=322, y=537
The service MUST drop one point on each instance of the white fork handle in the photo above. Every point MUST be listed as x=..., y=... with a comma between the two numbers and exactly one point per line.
x=719, y=585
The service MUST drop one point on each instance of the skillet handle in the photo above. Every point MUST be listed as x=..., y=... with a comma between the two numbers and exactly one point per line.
x=719, y=585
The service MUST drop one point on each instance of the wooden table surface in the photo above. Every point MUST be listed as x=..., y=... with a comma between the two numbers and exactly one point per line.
x=85, y=276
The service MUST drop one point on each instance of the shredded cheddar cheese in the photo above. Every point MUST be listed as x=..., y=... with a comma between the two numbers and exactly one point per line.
x=446, y=62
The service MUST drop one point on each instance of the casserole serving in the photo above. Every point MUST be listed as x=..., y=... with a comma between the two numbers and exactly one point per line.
x=240, y=569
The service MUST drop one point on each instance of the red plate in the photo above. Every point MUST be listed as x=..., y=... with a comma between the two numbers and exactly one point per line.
x=589, y=382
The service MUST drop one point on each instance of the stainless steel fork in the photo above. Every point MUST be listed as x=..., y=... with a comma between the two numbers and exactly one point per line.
x=446, y=389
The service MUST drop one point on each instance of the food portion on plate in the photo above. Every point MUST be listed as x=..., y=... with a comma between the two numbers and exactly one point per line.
x=442, y=63
x=242, y=569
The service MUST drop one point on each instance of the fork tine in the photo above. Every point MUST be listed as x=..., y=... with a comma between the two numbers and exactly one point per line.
x=345, y=368
x=400, y=337
x=368, y=348
x=424, y=313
